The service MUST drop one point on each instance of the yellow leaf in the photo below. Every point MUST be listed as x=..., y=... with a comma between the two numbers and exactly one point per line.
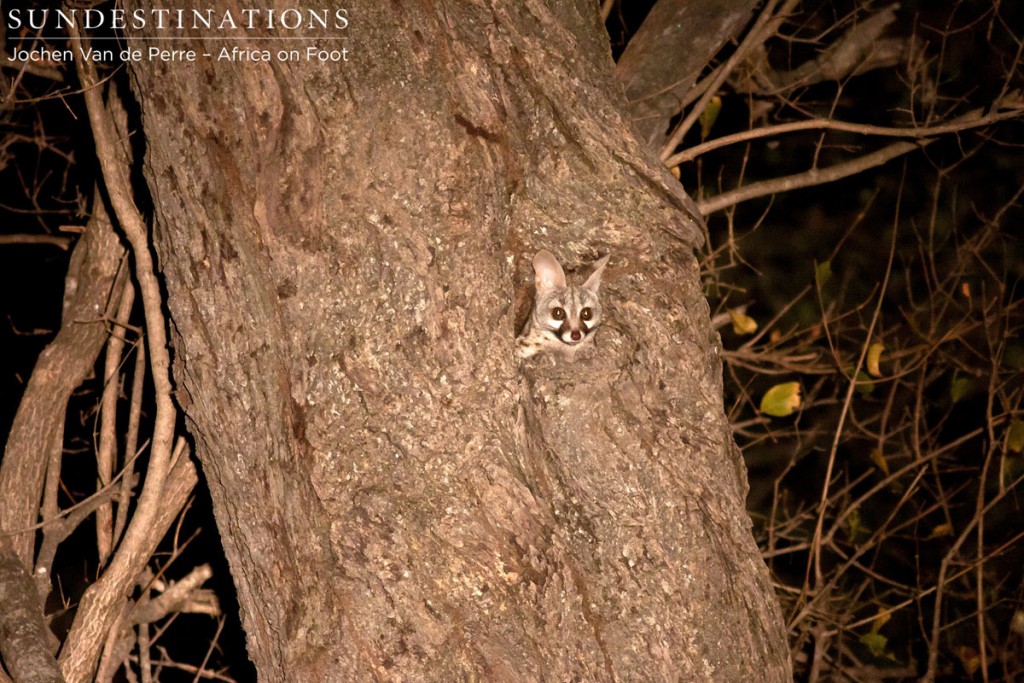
x=1015, y=436
x=874, y=355
x=879, y=621
x=942, y=530
x=965, y=289
x=1017, y=622
x=781, y=400
x=970, y=659
x=742, y=323
x=708, y=116
x=674, y=171
x=881, y=463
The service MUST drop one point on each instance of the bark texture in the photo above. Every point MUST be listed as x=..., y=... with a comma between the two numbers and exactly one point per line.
x=663, y=60
x=346, y=251
x=36, y=438
x=24, y=639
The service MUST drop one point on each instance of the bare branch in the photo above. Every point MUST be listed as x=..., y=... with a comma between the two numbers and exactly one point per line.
x=765, y=26
x=132, y=439
x=24, y=638
x=106, y=453
x=37, y=434
x=692, y=31
x=177, y=597
x=861, y=49
x=105, y=599
x=969, y=121
x=49, y=72
x=100, y=605
x=814, y=176
x=52, y=240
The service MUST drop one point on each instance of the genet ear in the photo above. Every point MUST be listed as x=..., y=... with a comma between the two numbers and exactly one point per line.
x=594, y=281
x=547, y=273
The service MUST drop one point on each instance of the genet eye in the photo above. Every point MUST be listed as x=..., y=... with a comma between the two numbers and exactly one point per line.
x=558, y=313
x=586, y=314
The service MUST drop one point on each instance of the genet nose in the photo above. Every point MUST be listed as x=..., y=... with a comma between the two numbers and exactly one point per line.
x=576, y=335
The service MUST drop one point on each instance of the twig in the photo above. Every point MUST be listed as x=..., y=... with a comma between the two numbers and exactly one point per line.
x=145, y=665
x=52, y=240
x=809, y=178
x=48, y=72
x=933, y=646
x=209, y=650
x=189, y=668
x=131, y=441
x=968, y=121
x=848, y=400
x=57, y=531
x=172, y=599
x=107, y=451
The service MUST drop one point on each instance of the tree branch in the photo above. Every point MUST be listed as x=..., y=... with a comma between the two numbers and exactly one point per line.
x=101, y=603
x=54, y=240
x=766, y=24
x=106, y=454
x=24, y=638
x=814, y=176
x=970, y=120
x=36, y=437
x=692, y=31
x=176, y=597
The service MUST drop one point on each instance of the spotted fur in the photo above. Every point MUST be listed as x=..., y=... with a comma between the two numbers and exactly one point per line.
x=564, y=317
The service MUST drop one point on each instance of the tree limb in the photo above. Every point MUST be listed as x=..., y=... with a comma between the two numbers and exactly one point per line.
x=100, y=605
x=815, y=176
x=970, y=120
x=54, y=240
x=37, y=434
x=657, y=87
x=24, y=638
x=767, y=23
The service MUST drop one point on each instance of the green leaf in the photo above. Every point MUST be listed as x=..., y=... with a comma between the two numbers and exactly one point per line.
x=822, y=273
x=865, y=385
x=854, y=526
x=876, y=643
x=781, y=400
x=1015, y=436
x=960, y=388
x=709, y=115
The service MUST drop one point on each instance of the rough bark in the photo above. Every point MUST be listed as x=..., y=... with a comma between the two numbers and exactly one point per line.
x=663, y=60
x=24, y=639
x=36, y=438
x=345, y=249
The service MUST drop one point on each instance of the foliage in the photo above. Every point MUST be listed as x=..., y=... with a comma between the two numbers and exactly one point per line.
x=888, y=502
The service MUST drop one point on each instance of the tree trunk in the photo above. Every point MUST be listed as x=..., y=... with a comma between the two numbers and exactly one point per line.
x=346, y=250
